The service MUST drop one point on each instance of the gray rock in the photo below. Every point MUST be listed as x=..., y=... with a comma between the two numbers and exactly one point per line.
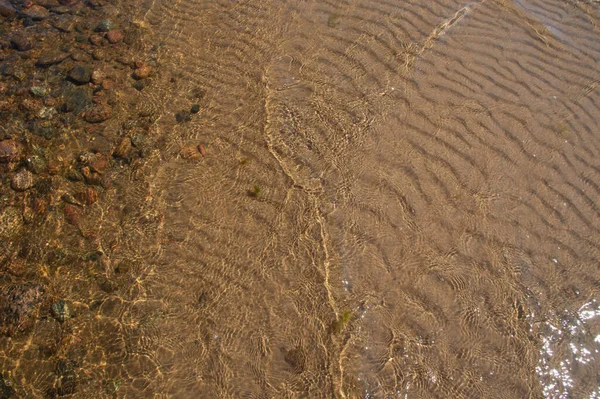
x=81, y=74
x=105, y=26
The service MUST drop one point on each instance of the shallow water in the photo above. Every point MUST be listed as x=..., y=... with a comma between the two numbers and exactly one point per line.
x=397, y=200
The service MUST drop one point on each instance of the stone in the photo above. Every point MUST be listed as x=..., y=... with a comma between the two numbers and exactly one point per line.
x=11, y=223
x=36, y=164
x=47, y=3
x=38, y=91
x=114, y=36
x=98, y=77
x=142, y=72
x=80, y=74
x=96, y=40
x=195, y=109
x=51, y=59
x=6, y=9
x=69, y=2
x=97, y=114
x=10, y=151
x=36, y=13
x=105, y=26
x=88, y=197
x=61, y=311
x=72, y=214
x=19, y=304
x=21, y=42
x=122, y=150
x=189, y=152
x=22, y=180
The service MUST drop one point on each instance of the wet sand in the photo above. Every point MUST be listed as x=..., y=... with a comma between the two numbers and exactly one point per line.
x=357, y=199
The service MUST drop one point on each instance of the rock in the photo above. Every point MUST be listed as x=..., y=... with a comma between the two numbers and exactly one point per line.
x=114, y=36
x=88, y=197
x=72, y=214
x=189, y=152
x=36, y=13
x=47, y=3
x=98, y=77
x=183, y=116
x=47, y=113
x=96, y=40
x=10, y=151
x=195, y=109
x=6, y=9
x=202, y=150
x=80, y=74
x=77, y=100
x=69, y=2
x=97, y=114
x=122, y=150
x=19, y=304
x=105, y=26
x=64, y=23
x=51, y=59
x=142, y=72
x=22, y=180
x=61, y=311
x=11, y=223
x=91, y=177
x=98, y=163
x=38, y=91
x=36, y=164
x=99, y=54
x=21, y=42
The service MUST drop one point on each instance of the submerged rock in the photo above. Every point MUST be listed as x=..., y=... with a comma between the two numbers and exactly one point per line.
x=22, y=180
x=10, y=151
x=80, y=74
x=105, y=26
x=19, y=304
x=6, y=9
x=97, y=114
x=61, y=310
x=36, y=13
x=21, y=42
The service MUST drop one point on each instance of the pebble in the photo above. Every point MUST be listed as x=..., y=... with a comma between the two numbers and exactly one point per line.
x=123, y=148
x=105, y=26
x=22, y=180
x=36, y=13
x=98, y=77
x=6, y=9
x=38, y=91
x=69, y=2
x=52, y=59
x=18, y=307
x=195, y=109
x=142, y=72
x=88, y=197
x=189, y=152
x=47, y=3
x=97, y=114
x=10, y=151
x=61, y=310
x=80, y=74
x=36, y=164
x=114, y=36
x=96, y=40
x=21, y=42
x=72, y=214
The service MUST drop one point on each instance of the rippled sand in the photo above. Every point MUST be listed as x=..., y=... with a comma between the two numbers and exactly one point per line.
x=395, y=200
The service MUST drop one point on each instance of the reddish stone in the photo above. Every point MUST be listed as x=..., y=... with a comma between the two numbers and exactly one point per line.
x=10, y=151
x=72, y=214
x=114, y=36
x=18, y=307
x=88, y=197
x=96, y=40
x=6, y=9
x=97, y=114
x=142, y=72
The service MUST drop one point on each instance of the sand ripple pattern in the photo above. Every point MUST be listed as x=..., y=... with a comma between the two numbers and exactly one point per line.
x=427, y=224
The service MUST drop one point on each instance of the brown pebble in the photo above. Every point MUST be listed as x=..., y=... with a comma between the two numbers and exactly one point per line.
x=96, y=40
x=68, y=2
x=108, y=84
x=123, y=148
x=22, y=180
x=10, y=151
x=114, y=36
x=98, y=163
x=142, y=72
x=98, y=77
x=6, y=9
x=88, y=196
x=72, y=214
x=97, y=114
x=202, y=150
x=189, y=152
x=52, y=59
x=93, y=178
